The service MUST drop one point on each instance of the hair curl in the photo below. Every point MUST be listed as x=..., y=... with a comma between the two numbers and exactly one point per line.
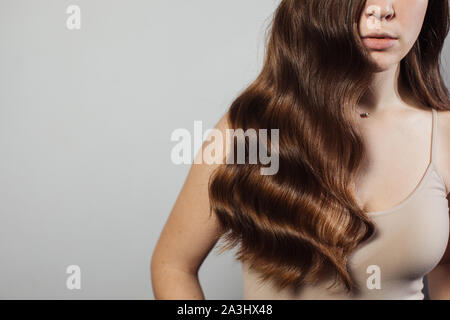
x=302, y=223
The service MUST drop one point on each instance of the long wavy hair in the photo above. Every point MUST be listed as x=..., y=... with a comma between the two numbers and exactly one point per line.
x=301, y=224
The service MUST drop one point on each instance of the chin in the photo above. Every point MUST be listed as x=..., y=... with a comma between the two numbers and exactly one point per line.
x=385, y=61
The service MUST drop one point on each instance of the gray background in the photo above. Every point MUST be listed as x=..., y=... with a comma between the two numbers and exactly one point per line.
x=85, y=124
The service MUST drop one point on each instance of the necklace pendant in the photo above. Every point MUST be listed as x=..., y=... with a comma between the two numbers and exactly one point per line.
x=365, y=115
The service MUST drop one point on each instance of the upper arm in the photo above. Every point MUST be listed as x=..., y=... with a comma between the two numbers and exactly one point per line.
x=190, y=231
x=443, y=147
x=443, y=163
x=445, y=260
x=439, y=277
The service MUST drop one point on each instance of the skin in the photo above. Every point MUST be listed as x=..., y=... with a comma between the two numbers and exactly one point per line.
x=393, y=113
x=188, y=236
x=190, y=233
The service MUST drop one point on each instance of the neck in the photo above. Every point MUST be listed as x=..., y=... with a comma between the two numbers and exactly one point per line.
x=384, y=93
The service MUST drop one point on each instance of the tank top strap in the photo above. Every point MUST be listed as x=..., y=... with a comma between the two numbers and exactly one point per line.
x=434, y=134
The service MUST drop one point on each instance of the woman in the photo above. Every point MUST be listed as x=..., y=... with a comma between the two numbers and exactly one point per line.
x=359, y=207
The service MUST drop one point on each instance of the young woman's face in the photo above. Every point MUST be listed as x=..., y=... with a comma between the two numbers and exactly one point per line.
x=389, y=29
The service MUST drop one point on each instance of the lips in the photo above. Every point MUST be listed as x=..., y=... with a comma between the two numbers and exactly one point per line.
x=379, y=41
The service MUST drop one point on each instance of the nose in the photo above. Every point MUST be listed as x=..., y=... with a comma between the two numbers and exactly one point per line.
x=381, y=10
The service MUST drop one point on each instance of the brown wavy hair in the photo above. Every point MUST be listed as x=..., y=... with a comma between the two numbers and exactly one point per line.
x=301, y=224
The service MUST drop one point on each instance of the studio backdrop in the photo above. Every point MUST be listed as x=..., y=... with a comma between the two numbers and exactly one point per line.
x=91, y=92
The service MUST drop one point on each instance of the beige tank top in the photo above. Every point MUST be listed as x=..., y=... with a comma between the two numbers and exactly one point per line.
x=409, y=241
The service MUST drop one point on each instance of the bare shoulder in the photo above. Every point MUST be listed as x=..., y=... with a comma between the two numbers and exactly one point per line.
x=444, y=117
x=444, y=127
x=223, y=122
x=190, y=232
x=443, y=146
